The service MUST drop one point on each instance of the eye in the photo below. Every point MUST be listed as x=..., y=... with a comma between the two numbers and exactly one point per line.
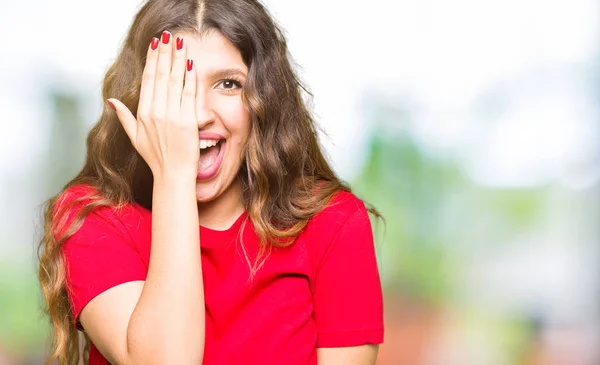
x=229, y=85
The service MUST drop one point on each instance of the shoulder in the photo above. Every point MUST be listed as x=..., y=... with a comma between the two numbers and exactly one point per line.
x=341, y=207
x=345, y=217
x=340, y=246
x=85, y=200
x=72, y=195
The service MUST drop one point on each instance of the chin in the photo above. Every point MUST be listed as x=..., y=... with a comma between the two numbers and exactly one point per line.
x=218, y=188
x=205, y=194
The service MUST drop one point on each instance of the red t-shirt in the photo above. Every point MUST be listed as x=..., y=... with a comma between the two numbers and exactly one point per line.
x=322, y=291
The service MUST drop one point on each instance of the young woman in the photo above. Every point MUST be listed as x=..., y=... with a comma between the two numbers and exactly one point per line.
x=206, y=227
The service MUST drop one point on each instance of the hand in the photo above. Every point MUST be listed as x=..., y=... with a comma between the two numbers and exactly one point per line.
x=165, y=132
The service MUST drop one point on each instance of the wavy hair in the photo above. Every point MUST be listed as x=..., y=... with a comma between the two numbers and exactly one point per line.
x=285, y=177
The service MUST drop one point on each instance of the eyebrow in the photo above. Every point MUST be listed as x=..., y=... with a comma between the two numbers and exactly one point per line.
x=226, y=72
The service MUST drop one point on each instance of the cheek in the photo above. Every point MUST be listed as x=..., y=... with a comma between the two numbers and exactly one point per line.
x=236, y=118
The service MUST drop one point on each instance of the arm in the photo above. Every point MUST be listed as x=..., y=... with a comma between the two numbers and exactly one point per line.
x=168, y=321
x=355, y=355
x=160, y=321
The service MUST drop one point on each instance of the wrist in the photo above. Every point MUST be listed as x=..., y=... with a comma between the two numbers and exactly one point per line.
x=177, y=181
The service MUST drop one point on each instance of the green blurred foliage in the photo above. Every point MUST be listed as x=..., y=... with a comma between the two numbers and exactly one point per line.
x=407, y=187
x=23, y=328
x=434, y=214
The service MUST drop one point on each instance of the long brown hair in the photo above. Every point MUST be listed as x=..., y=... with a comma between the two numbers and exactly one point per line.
x=284, y=176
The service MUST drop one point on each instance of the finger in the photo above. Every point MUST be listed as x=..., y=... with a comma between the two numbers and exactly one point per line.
x=126, y=118
x=147, y=88
x=163, y=72
x=188, y=97
x=176, y=79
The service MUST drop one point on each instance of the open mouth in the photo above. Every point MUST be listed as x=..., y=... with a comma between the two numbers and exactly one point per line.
x=209, y=151
x=211, y=156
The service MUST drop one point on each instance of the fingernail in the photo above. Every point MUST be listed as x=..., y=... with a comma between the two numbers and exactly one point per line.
x=190, y=65
x=111, y=104
x=166, y=36
x=179, y=43
x=154, y=43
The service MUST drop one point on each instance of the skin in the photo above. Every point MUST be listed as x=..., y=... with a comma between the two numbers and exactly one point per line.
x=121, y=321
x=220, y=109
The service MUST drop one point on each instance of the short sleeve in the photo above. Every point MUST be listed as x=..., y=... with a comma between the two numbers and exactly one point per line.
x=99, y=256
x=348, y=304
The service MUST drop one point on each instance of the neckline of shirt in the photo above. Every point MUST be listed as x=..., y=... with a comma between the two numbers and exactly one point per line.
x=211, y=237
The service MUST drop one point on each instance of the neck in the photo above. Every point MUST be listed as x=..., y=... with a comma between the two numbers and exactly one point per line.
x=221, y=213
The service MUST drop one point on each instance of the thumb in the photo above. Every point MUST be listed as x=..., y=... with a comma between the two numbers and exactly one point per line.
x=126, y=118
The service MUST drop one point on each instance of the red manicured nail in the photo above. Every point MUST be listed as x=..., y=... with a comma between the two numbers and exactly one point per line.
x=179, y=43
x=111, y=104
x=166, y=37
x=154, y=43
x=190, y=65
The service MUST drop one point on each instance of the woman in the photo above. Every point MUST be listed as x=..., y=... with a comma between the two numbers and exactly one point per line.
x=205, y=187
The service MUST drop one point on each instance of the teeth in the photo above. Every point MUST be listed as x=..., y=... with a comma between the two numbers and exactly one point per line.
x=205, y=143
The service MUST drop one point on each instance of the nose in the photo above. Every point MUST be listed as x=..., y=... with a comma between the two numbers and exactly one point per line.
x=205, y=113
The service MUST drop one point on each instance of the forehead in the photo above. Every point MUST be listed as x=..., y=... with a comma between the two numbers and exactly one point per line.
x=212, y=50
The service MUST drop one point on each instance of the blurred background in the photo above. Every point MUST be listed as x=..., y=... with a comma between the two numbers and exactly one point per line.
x=473, y=126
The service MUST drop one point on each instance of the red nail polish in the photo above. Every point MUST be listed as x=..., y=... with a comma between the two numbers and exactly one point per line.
x=179, y=43
x=154, y=43
x=111, y=104
x=166, y=37
x=190, y=65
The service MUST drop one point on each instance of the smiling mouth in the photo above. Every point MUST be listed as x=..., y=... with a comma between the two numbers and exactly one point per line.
x=211, y=157
x=209, y=152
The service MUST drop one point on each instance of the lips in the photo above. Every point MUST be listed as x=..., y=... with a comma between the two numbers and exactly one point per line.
x=209, y=135
x=210, y=161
